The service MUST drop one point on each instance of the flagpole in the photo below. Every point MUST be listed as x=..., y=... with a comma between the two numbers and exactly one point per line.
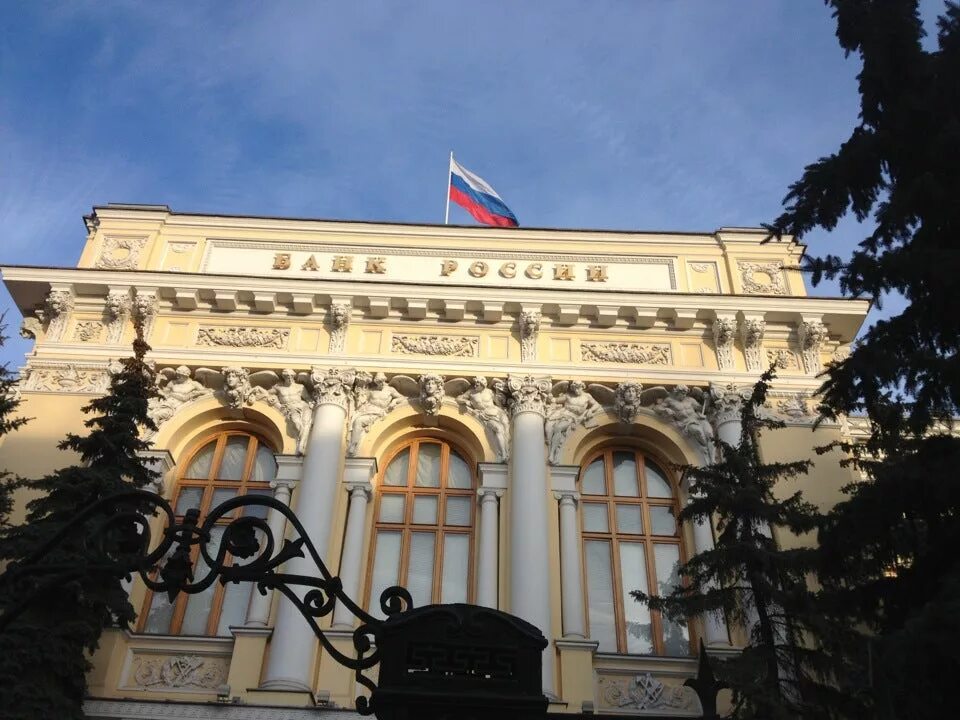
x=446, y=214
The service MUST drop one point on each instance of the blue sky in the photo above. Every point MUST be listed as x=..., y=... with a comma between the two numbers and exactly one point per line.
x=631, y=114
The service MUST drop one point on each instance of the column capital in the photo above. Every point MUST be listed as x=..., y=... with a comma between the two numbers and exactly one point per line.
x=529, y=394
x=287, y=484
x=726, y=402
x=359, y=489
x=332, y=386
x=489, y=492
x=567, y=497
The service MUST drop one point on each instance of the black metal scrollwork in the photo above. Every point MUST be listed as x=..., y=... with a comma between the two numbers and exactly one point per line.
x=118, y=541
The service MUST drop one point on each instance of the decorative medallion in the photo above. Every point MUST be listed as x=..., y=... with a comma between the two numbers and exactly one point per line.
x=120, y=253
x=769, y=282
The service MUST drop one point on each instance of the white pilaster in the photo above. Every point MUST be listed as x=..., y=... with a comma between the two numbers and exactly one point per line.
x=289, y=468
x=291, y=653
x=493, y=483
x=530, y=596
x=357, y=476
x=563, y=480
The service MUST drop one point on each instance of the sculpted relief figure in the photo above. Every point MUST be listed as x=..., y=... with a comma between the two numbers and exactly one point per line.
x=573, y=407
x=176, y=387
x=628, y=401
x=685, y=408
x=375, y=398
x=482, y=403
x=431, y=393
x=292, y=399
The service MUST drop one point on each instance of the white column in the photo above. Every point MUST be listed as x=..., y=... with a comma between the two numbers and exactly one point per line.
x=292, y=646
x=357, y=474
x=571, y=566
x=714, y=626
x=288, y=473
x=488, y=569
x=530, y=597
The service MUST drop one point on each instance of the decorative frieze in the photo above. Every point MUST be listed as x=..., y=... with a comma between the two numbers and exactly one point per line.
x=487, y=406
x=339, y=321
x=759, y=278
x=812, y=334
x=65, y=378
x=120, y=253
x=751, y=335
x=442, y=345
x=645, y=693
x=87, y=331
x=724, y=332
x=571, y=407
x=244, y=337
x=627, y=353
x=529, y=331
x=190, y=672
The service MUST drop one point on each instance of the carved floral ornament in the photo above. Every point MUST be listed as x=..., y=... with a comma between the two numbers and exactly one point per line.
x=120, y=253
x=189, y=672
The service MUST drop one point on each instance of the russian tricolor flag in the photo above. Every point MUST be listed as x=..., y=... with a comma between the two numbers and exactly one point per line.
x=474, y=194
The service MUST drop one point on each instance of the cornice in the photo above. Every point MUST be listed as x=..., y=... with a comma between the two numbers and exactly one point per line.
x=174, y=710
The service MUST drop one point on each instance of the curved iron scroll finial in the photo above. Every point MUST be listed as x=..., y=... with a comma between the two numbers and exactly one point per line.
x=116, y=533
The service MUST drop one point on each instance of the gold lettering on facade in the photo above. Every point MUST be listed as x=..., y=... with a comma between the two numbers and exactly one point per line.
x=342, y=263
x=310, y=264
x=534, y=271
x=478, y=268
x=448, y=267
x=376, y=265
x=597, y=273
x=563, y=271
x=281, y=261
x=508, y=270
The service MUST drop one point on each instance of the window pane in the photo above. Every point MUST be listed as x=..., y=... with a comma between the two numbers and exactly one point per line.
x=200, y=465
x=603, y=626
x=459, y=473
x=428, y=465
x=595, y=517
x=188, y=498
x=222, y=495
x=662, y=520
x=636, y=616
x=456, y=560
x=386, y=564
x=199, y=605
x=657, y=484
x=425, y=509
x=159, y=615
x=420, y=569
x=625, y=475
x=396, y=473
x=236, y=597
x=234, y=458
x=391, y=507
x=258, y=510
x=458, y=511
x=264, y=466
x=676, y=637
x=592, y=482
x=630, y=519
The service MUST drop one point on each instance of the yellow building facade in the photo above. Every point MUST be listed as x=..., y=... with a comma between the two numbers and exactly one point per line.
x=481, y=415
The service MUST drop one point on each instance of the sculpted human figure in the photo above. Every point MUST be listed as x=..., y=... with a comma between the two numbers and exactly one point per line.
x=574, y=407
x=684, y=408
x=174, y=392
x=431, y=393
x=291, y=397
x=481, y=402
x=236, y=386
x=628, y=401
x=375, y=401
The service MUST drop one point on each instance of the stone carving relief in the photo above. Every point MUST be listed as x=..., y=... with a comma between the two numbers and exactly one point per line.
x=724, y=332
x=782, y=359
x=726, y=402
x=87, y=331
x=628, y=401
x=57, y=308
x=762, y=278
x=431, y=393
x=115, y=309
x=180, y=671
x=629, y=353
x=339, y=321
x=145, y=307
x=685, y=408
x=243, y=337
x=529, y=331
x=570, y=408
x=181, y=248
x=374, y=398
x=444, y=345
x=70, y=378
x=333, y=386
x=526, y=393
x=701, y=267
x=751, y=335
x=30, y=328
x=176, y=387
x=812, y=334
x=487, y=406
x=120, y=253
x=646, y=693
x=795, y=407
x=292, y=399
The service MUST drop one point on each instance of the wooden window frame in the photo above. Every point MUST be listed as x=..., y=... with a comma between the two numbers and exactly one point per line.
x=613, y=537
x=209, y=485
x=439, y=529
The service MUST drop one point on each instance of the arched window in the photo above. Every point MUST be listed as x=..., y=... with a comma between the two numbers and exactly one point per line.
x=423, y=534
x=630, y=542
x=229, y=464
